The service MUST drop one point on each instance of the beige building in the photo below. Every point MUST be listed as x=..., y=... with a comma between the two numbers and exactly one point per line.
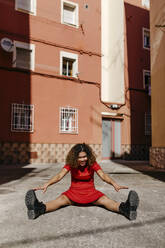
x=157, y=29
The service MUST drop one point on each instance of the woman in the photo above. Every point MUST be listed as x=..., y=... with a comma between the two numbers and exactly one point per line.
x=81, y=162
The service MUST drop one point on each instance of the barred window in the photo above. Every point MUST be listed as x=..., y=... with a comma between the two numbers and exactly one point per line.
x=68, y=120
x=147, y=123
x=22, y=118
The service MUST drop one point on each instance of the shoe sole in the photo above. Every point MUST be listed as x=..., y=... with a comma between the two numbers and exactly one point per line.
x=30, y=199
x=32, y=215
x=133, y=199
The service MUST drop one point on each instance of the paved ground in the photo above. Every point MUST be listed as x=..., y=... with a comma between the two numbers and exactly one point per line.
x=83, y=227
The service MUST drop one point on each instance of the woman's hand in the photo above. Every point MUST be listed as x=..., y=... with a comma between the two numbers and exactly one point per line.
x=118, y=187
x=106, y=178
x=44, y=188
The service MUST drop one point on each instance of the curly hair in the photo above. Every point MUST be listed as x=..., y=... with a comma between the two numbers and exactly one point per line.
x=72, y=156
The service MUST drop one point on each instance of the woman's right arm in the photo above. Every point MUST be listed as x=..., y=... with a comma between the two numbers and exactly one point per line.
x=53, y=180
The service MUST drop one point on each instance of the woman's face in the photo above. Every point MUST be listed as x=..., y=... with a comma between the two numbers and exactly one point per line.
x=82, y=159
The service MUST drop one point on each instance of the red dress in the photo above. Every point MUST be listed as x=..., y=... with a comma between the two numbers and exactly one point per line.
x=82, y=189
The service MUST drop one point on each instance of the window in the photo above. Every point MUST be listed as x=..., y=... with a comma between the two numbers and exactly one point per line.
x=146, y=38
x=147, y=81
x=23, y=55
x=27, y=6
x=147, y=123
x=68, y=64
x=22, y=117
x=146, y=3
x=68, y=120
x=69, y=13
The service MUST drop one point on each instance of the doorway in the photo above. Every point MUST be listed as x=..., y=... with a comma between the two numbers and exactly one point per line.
x=111, y=138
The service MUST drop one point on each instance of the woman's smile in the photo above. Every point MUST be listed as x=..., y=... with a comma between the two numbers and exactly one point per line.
x=83, y=163
x=82, y=158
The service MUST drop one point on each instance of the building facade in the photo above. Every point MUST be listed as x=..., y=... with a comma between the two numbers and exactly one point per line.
x=157, y=22
x=133, y=99
x=56, y=62
x=138, y=50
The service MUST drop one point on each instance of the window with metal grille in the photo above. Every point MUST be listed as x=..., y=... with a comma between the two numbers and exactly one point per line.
x=146, y=38
x=28, y=6
x=68, y=120
x=147, y=123
x=22, y=117
x=69, y=14
x=23, y=55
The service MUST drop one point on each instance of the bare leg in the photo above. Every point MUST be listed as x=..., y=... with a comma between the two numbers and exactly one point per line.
x=60, y=201
x=107, y=203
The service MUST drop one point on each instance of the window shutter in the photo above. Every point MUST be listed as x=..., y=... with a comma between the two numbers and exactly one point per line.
x=69, y=15
x=25, y=5
x=23, y=58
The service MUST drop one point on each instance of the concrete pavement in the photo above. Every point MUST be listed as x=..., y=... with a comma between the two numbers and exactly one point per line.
x=83, y=227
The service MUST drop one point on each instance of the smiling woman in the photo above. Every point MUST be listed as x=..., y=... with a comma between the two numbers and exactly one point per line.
x=81, y=163
x=82, y=158
x=77, y=153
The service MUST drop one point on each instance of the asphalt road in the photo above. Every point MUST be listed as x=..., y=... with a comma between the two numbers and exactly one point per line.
x=82, y=227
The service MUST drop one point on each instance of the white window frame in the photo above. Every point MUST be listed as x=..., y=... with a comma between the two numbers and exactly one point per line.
x=32, y=11
x=18, y=108
x=144, y=30
x=146, y=72
x=24, y=46
x=147, y=124
x=72, y=5
x=71, y=56
x=67, y=124
x=146, y=3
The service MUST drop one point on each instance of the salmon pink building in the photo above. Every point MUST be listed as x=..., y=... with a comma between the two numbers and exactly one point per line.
x=71, y=72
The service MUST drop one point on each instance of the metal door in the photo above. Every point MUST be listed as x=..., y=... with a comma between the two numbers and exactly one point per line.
x=106, y=138
x=117, y=138
x=111, y=138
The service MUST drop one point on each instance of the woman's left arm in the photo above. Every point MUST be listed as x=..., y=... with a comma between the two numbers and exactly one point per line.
x=106, y=178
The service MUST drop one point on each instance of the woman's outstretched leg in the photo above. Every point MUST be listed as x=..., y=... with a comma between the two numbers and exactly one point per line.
x=60, y=201
x=36, y=208
x=127, y=208
x=107, y=203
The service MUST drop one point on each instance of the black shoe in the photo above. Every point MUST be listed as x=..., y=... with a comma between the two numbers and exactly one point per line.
x=129, y=208
x=35, y=208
